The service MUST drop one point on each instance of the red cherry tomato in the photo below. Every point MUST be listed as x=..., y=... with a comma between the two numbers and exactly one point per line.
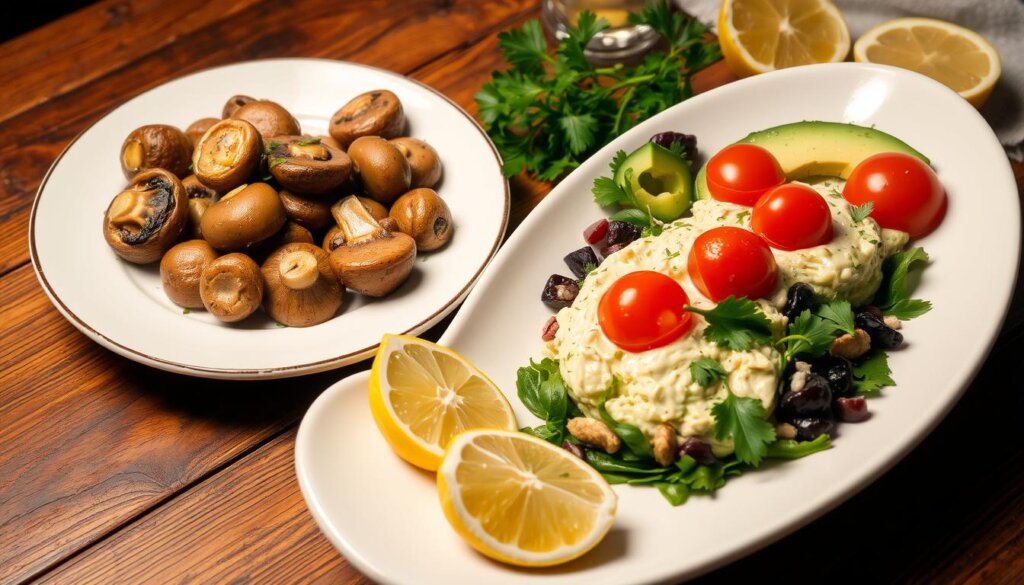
x=728, y=261
x=741, y=173
x=792, y=217
x=644, y=310
x=906, y=193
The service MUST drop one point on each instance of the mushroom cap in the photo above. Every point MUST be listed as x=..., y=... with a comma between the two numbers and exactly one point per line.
x=196, y=210
x=243, y=217
x=156, y=146
x=424, y=162
x=375, y=267
x=147, y=218
x=301, y=287
x=374, y=113
x=180, y=271
x=311, y=212
x=270, y=118
x=289, y=234
x=231, y=287
x=422, y=214
x=227, y=154
x=333, y=239
x=196, y=129
x=383, y=169
x=306, y=165
x=195, y=189
x=234, y=102
x=376, y=209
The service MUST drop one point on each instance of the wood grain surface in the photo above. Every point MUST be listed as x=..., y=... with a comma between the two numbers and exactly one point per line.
x=111, y=472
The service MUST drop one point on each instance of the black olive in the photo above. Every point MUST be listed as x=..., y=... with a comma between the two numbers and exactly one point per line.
x=808, y=429
x=621, y=232
x=838, y=371
x=814, y=399
x=688, y=142
x=560, y=291
x=697, y=449
x=882, y=336
x=577, y=261
x=799, y=297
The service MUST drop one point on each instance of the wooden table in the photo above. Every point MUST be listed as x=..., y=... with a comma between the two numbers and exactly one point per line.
x=114, y=472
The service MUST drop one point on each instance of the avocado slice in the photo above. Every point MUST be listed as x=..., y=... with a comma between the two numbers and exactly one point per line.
x=660, y=181
x=808, y=149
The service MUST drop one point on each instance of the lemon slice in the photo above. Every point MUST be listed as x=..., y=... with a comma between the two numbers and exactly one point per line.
x=422, y=395
x=758, y=36
x=521, y=500
x=957, y=57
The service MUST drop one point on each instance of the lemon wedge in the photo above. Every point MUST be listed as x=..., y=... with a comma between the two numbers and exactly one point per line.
x=955, y=56
x=521, y=500
x=423, y=394
x=758, y=36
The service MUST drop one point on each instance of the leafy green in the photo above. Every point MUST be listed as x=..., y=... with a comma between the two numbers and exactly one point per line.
x=735, y=324
x=632, y=215
x=860, y=212
x=308, y=141
x=893, y=296
x=707, y=371
x=743, y=419
x=808, y=334
x=675, y=493
x=607, y=192
x=871, y=374
x=631, y=436
x=790, y=449
x=277, y=160
x=839, y=313
x=547, y=113
x=541, y=389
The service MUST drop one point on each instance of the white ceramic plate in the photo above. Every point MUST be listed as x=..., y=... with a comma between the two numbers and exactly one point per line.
x=122, y=306
x=383, y=515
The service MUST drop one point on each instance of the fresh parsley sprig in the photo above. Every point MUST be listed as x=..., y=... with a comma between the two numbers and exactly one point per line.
x=735, y=324
x=893, y=296
x=739, y=418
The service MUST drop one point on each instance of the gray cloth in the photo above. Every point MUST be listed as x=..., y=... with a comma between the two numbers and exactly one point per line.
x=999, y=21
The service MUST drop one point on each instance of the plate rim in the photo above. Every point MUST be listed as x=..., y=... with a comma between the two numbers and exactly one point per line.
x=280, y=371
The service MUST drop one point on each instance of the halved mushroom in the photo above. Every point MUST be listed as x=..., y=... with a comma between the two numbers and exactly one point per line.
x=383, y=169
x=147, y=218
x=156, y=146
x=180, y=271
x=422, y=214
x=270, y=118
x=196, y=129
x=373, y=261
x=234, y=102
x=311, y=212
x=243, y=217
x=374, y=113
x=423, y=161
x=227, y=154
x=301, y=287
x=306, y=165
x=231, y=287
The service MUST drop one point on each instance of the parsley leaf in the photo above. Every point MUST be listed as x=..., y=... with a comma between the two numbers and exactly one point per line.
x=308, y=141
x=907, y=309
x=872, y=374
x=617, y=160
x=631, y=215
x=707, y=371
x=743, y=419
x=631, y=436
x=790, y=449
x=859, y=212
x=840, y=314
x=579, y=129
x=607, y=192
x=893, y=296
x=735, y=324
x=808, y=334
x=277, y=161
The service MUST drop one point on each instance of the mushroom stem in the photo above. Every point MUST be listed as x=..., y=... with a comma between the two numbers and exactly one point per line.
x=355, y=221
x=128, y=209
x=312, y=151
x=299, y=270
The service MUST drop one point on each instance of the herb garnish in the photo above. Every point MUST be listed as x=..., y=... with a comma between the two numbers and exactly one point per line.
x=740, y=418
x=277, y=161
x=735, y=324
x=872, y=374
x=893, y=296
x=860, y=212
x=308, y=141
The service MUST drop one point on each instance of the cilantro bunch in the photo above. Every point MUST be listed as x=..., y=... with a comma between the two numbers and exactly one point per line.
x=550, y=112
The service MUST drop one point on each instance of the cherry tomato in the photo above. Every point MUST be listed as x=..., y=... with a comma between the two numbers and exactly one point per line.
x=906, y=193
x=644, y=310
x=732, y=261
x=741, y=173
x=792, y=217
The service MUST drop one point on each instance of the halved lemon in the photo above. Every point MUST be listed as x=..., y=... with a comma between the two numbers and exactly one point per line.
x=959, y=58
x=521, y=500
x=758, y=36
x=423, y=394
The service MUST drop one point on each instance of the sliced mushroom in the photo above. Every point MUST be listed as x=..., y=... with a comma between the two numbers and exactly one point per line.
x=231, y=287
x=156, y=146
x=334, y=239
x=311, y=212
x=147, y=218
x=307, y=165
x=373, y=261
x=196, y=129
x=374, y=113
x=383, y=169
x=227, y=154
x=422, y=214
x=423, y=161
x=234, y=102
x=270, y=118
x=243, y=217
x=301, y=287
x=181, y=269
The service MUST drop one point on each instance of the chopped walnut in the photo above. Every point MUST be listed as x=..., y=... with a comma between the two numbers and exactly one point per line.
x=799, y=378
x=851, y=346
x=892, y=322
x=785, y=431
x=550, y=329
x=666, y=445
x=594, y=433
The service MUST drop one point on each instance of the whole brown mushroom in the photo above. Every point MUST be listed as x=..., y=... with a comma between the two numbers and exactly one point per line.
x=377, y=210
x=231, y=287
x=147, y=218
x=291, y=233
x=269, y=118
x=301, y=287
x=227, y=154
x=234, y=102
x=195, y=189
x=374, y=113
x=248, y=215
x=181, y=269
x=423, y=161
x=422, y=214
x=372, y=261
x=383, y=169
x=334, y=239
x=305, y=165
x=311, y=212
x=196, y=129
x=156, y=146
x=200, y=198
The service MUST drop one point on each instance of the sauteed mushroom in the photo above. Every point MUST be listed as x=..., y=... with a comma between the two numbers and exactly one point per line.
x=147, y=218
x=195, y=189
x=423, y=161
x=156, y=146
x=301, y=287
x=270, y=118
x=234, y=102
x=374, y=113
x=180, y=271
x=231, y=287
x=196, y=129
x=200, y=198
x=306, y=165
x=422, y=214
x=291, y=233
x=376, y=210
x=243, y=217
x=383, y=169
x=333, y=240
x=311, y=212
x=373, y=261
x=227, y=154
